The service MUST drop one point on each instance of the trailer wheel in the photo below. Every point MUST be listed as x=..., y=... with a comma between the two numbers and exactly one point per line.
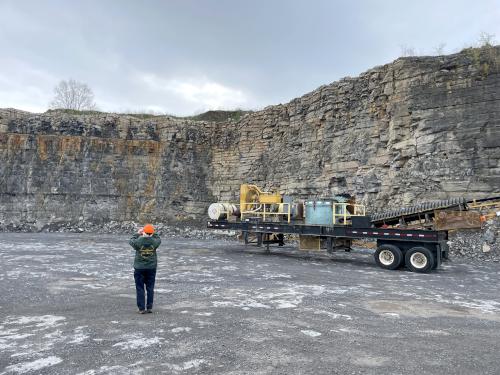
x=388, y=257
x=419, y=259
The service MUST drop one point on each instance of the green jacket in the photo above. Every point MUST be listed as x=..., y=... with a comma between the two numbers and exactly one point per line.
x=145, y=250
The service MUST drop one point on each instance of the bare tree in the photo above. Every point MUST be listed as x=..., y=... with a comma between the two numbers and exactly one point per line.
x=73, y=95
x=439, y=49
x=407, y=51
x=485, y=39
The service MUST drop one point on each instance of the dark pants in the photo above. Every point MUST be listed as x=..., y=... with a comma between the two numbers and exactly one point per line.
x=144, y=277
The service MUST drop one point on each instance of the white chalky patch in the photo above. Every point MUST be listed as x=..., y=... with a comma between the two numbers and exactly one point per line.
x=281, y=298
x=21, y=354
x=331, y=314
x=53, y=335
x=16, y=333
x=117, y=369
x=486, y=306
x=436, y=332
x=8, y=338
x=206, y=289
x=13, y=274
x=160, y=290
x=79, y=336
x=138, y=343
x=181, y=329
x=245, y=304
x=349, y=330
x=40, y=321
x=229, y=268
x=393, y=315
x=204, y=314
x=81, y=279
x=94, y=286
x=311, y=333
x=24, y=367
x=339, y=291
x=285, y=305
x=370, y=361
x=188, y=365
x=272, y=276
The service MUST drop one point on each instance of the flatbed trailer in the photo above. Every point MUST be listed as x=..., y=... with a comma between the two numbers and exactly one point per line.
x=418, y=250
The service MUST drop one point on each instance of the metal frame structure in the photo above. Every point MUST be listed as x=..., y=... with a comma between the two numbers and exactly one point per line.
x=404, y=239
x=340, y=210
x=284, y=209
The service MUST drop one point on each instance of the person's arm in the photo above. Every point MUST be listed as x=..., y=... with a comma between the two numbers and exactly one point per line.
x=133, y=241
x=157, y=240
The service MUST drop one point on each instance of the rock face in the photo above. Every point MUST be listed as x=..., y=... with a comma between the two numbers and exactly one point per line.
x=415, y=130
x=418, y=129
x=59, y=168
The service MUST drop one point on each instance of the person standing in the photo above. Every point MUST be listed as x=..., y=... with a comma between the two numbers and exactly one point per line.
x=145, y=242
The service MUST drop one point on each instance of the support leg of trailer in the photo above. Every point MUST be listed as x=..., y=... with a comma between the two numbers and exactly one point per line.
x=281, y=238
x=329, y=244
x=259, y=239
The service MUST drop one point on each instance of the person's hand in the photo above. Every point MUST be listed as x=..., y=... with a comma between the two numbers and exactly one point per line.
x=140, y=231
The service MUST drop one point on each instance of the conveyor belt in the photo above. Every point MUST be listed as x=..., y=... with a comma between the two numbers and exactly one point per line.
x=419, y=210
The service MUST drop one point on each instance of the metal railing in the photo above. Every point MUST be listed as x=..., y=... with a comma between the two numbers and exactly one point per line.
x=256, y=209
x=267, y=209
x=342, y=211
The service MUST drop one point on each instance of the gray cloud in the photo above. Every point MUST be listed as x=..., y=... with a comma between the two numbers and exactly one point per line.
x=184, y=56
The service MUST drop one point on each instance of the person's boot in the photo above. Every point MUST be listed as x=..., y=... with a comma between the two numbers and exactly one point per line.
x=149, y=311
x=142, y=311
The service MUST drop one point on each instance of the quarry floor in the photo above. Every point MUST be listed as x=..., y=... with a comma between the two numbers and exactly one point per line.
x=68, y=307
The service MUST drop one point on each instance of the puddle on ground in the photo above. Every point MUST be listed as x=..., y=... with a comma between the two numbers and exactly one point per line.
x=424, y=309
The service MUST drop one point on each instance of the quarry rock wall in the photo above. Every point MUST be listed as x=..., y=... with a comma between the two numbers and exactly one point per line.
x=414, y=130
x=58, y=168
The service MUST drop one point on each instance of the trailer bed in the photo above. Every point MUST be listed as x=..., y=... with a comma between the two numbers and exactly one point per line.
x=398, y=243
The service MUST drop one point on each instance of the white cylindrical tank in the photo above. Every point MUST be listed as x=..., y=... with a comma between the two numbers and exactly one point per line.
x=219, y=211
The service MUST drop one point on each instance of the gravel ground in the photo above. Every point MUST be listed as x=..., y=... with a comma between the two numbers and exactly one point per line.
x=68, y=307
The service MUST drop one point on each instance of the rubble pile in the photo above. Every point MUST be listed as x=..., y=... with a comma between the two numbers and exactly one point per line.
x=481, y=244
x=124, y=227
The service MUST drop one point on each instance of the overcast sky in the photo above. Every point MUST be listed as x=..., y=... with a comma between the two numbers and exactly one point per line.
x=185, y=56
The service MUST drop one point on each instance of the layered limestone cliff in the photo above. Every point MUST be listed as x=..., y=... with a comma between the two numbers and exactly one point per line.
x=58, y=168
x=415, y=130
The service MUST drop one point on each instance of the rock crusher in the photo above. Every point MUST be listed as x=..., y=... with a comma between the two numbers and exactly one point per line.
x=331, y=224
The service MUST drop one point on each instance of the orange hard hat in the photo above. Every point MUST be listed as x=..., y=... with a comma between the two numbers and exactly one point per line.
x=148, y=228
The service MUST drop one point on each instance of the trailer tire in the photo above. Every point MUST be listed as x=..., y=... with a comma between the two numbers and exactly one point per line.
x=388, y=256
x=419, y=259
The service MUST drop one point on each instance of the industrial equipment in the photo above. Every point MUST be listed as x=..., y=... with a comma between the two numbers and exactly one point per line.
x=454, y=213
x=330, y=223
